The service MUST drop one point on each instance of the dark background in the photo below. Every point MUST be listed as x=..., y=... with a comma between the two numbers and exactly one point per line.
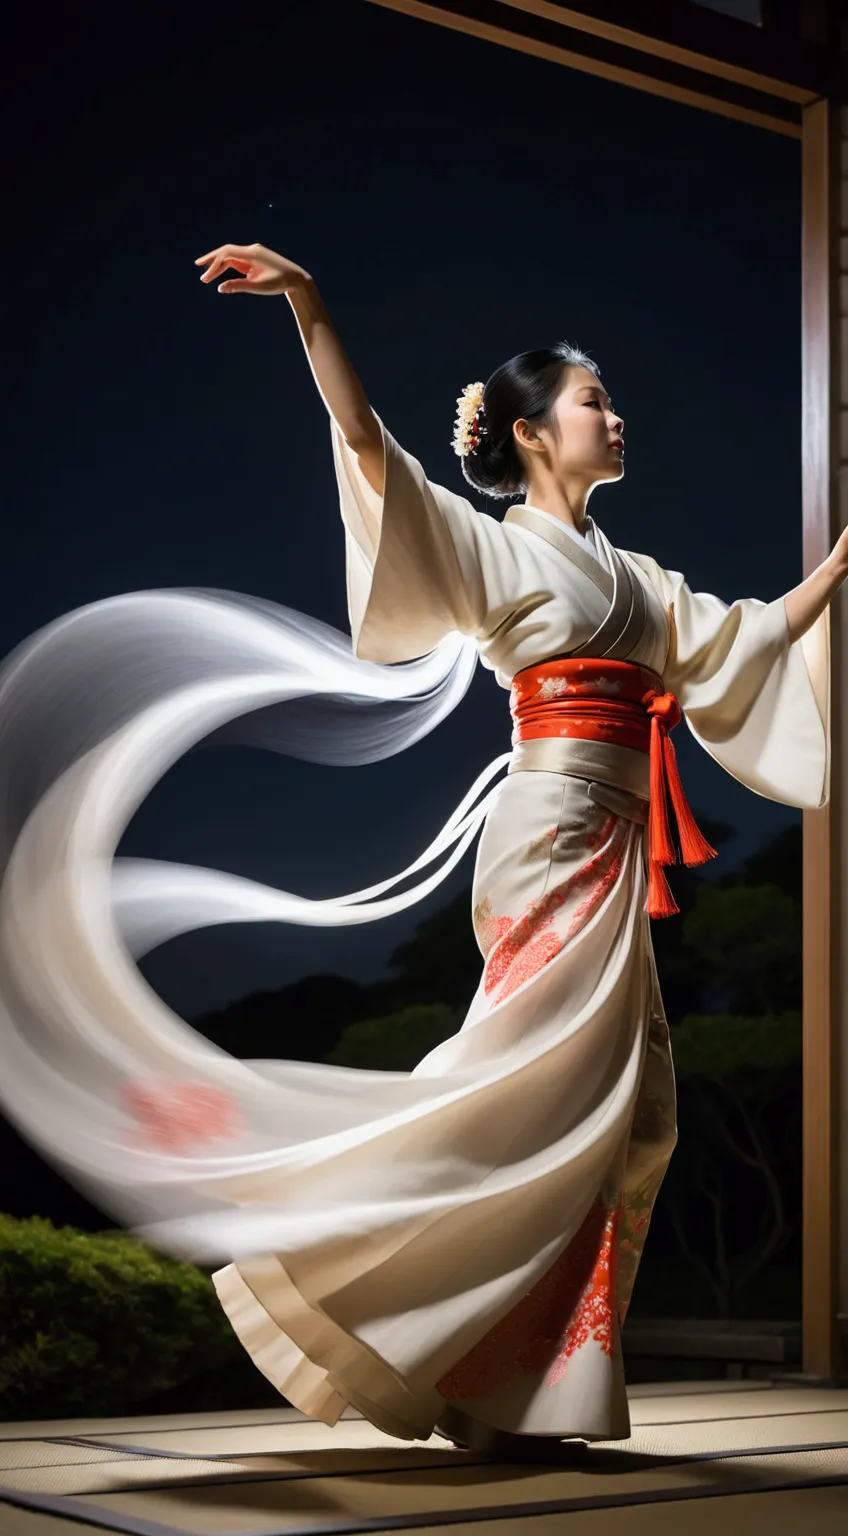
x=457, y=203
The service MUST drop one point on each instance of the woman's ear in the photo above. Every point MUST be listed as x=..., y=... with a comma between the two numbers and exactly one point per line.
x=525, y=436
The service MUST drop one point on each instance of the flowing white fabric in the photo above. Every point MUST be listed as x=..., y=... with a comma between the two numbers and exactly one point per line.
x=93, y=710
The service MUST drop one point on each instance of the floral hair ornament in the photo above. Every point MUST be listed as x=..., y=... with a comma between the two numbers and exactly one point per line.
x=469, y=428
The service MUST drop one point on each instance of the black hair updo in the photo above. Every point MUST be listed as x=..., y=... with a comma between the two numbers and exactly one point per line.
x=527, y=386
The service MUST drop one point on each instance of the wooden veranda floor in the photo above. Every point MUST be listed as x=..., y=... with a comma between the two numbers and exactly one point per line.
x=743, y=1457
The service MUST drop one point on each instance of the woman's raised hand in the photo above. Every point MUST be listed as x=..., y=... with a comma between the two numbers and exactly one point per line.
x=264, y=271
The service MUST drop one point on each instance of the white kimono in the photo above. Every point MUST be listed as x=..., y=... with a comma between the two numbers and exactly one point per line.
x=513, y=1206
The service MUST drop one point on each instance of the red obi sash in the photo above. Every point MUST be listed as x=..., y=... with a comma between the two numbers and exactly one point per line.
x=622, y=703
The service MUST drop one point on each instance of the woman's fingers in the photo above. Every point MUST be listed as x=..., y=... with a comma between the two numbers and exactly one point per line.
x=256, y=282
x=222, y=263
x=220, y=251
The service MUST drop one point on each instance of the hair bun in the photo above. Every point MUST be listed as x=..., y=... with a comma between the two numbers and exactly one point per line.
x=525, y=387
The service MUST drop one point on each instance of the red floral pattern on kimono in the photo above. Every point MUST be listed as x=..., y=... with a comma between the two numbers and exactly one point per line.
x=177, y=1116
x=599, y=875
x=524, y=946
x=572, y=1305
x=517, y=950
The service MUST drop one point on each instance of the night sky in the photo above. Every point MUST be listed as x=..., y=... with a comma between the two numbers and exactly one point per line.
x=456, y=203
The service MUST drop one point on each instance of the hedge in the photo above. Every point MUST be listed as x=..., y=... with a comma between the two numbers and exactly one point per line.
x=94, y=1325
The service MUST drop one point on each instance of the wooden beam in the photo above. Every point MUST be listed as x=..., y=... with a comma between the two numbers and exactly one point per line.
x=496, y=21
x=821, y=862
x=655, y=40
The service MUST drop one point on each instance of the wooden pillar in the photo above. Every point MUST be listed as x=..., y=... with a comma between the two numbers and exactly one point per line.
x=825, y=396
x=841, y=497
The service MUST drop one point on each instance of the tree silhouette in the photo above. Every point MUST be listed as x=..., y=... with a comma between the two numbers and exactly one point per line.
x=744, y=941
x=442, y=955
x=299, y=1022
x=397, y=1042
x=726, y=1190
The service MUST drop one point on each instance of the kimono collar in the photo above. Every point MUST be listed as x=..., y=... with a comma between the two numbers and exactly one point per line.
x=622, y=627
x=573, y=548
x=586, y=538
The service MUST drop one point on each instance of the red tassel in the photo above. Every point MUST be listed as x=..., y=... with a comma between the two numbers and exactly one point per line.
x=660, y=902
x=661, y=848
x=693, y=845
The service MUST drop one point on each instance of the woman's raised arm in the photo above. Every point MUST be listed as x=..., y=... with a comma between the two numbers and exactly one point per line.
x=267, y=273
x=807, y=601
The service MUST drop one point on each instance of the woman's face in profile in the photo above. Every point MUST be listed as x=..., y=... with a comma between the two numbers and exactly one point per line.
x=587, y=431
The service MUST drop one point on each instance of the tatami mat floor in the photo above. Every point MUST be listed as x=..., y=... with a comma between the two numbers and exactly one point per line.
x=747, y=1457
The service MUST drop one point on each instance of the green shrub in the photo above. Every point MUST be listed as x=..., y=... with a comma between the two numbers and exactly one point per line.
x=397, y=1042
x=92, y=1325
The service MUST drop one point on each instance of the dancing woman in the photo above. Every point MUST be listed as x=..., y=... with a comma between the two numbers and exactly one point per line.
x=453, y=1248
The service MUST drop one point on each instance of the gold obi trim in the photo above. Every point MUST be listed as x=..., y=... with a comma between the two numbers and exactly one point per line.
x=619, y=777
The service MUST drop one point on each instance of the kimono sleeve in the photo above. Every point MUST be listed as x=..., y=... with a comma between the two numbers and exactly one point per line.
x=756, y=702
x=414, y=557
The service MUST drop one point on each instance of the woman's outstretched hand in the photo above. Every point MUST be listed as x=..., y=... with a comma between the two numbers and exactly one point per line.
x=264, y=271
